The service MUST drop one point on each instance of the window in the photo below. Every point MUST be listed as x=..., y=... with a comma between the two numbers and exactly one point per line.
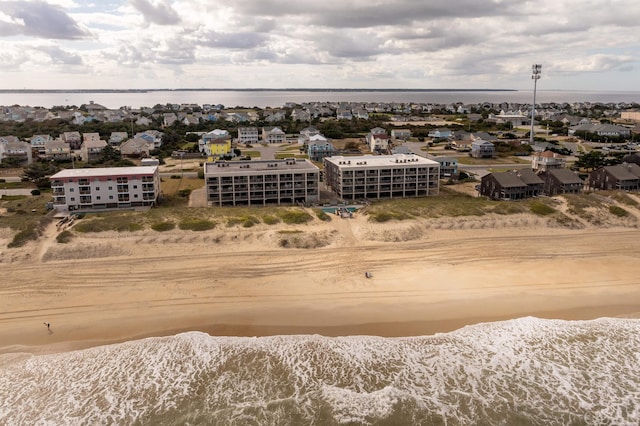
x=111, y=197
x=111, y=187
x=135, y=195
x=70, y=189
x=135, y=186
x=98, y=197
x=73, y=199
x=97, y=188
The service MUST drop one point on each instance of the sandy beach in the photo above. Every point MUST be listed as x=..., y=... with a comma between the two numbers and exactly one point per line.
x=428, y=276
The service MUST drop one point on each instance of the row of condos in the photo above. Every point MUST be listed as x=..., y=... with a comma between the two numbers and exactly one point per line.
x=135, y=188
x=381, y=176
x=261, y=182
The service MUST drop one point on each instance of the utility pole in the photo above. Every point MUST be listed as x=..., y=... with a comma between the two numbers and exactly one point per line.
x=536, y=69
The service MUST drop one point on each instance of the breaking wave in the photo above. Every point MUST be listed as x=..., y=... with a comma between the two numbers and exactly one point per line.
x=527, y=371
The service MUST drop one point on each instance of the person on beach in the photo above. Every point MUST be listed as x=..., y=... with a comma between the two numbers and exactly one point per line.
x=48, y=325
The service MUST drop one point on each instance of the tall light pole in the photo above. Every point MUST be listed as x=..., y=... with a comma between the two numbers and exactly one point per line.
x=536, y=69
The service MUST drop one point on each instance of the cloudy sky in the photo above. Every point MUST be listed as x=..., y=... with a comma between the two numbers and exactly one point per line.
x=121, y=44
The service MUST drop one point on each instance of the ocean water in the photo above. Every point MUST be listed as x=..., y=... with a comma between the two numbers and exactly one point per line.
x=527, y=371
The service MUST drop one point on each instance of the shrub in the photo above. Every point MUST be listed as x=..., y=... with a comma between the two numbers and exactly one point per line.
x=541, y=209
x=184, y=193
x=24, y=236
x=386, y=216
x=322, y=215
x=271, y=220
x=618, y=211
x=163, y=226
x=64, y=237
x=176, y=177
x=200, y=174
x=295, y=217
x=196, y=225
x=35, y=192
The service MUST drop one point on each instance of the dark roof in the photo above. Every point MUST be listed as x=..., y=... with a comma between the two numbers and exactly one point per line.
x=529, y=177
x=565, y=176
x=508, y=179
x=624, y=171
x=632, y=158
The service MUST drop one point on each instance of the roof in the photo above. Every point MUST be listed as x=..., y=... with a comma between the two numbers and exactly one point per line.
x=250, y=166
x=565, y=175
x=379, y=160
x=529, y=177
x=507, y=179
x=624, y=171
x=105, y=171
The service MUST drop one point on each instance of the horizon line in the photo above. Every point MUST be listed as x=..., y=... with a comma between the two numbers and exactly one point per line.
x=255, y=89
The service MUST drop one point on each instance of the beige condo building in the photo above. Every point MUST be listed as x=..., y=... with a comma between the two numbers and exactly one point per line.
x=381, y=176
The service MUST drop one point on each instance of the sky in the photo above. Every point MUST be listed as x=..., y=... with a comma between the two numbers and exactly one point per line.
x=372, y=44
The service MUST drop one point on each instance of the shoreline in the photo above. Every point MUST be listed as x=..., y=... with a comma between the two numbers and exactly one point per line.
x=105, y=288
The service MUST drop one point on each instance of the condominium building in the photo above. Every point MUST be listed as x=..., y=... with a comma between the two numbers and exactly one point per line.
x=130, y=188
x=381, y=176
x=261, y=182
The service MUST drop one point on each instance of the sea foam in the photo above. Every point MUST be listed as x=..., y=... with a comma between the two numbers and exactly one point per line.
x=525, y=371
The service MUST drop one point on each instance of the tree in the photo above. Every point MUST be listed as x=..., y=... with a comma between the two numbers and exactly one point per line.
x=591, y=160
x=39, y=173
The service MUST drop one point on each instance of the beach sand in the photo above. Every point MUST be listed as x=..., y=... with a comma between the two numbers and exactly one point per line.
x=428, y=276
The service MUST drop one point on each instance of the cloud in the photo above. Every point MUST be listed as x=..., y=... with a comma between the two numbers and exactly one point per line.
x=38, y=19
x=161, y=13
x=60, y=56
x=240, y=40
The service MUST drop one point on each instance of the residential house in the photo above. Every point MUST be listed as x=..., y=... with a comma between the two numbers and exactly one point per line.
x=248, y=135
x=152, y=136
x=38, y=142
x=547, y=160
x=56, y=150
x=448, y=165
x=319, y=147
x=143, y=121
x=73, y=139
x=110, y=188
x=503, y=186
x=403, y=134
x=624, y=177
x=535, y=185
x=442, y=133
x=360, y=113
x=190, y=120
x=273, y=116
x=300, y=115
x=91, y=137
x=217, y=147
x=632, y=158
x=136, y=148
x=168, y=118
x=561, y=181
x=14, y=151
x=344, y=113
x=306, y=134
x=378, y=142
x=91, y=149
x=482, y=149
x=273, y=135
x=117, y=138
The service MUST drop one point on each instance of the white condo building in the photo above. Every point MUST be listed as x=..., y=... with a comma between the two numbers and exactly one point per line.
x=130, y=188
x=381, y=176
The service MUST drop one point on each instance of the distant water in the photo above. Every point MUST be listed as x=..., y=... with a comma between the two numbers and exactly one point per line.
x=265, y=98
x=527, y=371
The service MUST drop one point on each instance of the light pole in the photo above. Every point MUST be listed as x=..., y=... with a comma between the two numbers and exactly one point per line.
x=536, y=69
